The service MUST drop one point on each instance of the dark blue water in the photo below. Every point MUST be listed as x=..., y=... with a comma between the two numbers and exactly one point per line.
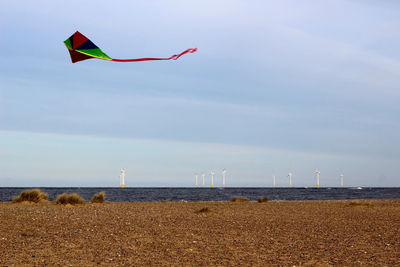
x=212, y=194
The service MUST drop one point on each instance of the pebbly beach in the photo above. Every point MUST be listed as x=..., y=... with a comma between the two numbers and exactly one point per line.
x=274, y=233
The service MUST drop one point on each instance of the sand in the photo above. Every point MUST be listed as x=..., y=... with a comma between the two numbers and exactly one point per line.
x=287, y=233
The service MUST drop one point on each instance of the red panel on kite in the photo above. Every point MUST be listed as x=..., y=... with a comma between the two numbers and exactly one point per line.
x=78, y=39
x=81, y=48
x=76, y=56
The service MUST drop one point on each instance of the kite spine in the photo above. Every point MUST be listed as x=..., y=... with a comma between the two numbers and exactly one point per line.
x=94, y=56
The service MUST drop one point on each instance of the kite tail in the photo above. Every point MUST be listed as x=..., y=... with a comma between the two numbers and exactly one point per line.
x=174, y=57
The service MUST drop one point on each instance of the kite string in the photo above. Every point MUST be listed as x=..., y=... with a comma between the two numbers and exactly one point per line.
x=174, y=57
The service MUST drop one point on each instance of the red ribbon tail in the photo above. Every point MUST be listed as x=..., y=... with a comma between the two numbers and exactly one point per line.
x=174, y=57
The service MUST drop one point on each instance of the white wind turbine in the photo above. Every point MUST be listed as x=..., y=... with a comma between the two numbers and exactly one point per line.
x=197, y=180
x=273, y=177
x=212, y=178
x=317, y=173
x=122, y=178
x=341, y=180
x=223, y=178
x=290, y=179
x=203, y=175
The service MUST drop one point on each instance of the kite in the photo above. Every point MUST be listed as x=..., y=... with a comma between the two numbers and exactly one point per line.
x=81, y=48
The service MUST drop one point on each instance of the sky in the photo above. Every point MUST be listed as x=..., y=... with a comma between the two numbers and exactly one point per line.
x=275, y=87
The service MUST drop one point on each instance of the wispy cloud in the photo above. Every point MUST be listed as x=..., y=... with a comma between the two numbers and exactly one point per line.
x=309, y=77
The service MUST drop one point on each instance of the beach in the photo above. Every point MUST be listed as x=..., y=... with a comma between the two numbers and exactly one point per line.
x=284, y=233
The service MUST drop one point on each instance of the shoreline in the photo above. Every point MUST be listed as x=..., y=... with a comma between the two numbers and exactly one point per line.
x=301, y=233
x=207, y=194
x=50, y=202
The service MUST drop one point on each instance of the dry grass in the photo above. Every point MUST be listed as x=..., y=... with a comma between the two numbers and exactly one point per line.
x=98, y=198
x=34, y=195
x=242, y=199
x=203, y=210
x=72, y=199
x=264, y=199
x=359, y=204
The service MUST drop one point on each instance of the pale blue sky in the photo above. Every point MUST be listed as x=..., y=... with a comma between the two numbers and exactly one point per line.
x=276, y=86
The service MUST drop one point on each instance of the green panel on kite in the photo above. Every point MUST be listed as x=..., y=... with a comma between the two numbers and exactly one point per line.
x=68, y=43
x=94, y=52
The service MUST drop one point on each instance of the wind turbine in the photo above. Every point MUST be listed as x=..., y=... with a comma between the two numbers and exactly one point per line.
x=290, y=179
x=317, y=173
x=197, y=179
x=122, y=178
x=273, y=177
x=203, y=176
x=223, y=178
x=212, y=178
x=341, y=180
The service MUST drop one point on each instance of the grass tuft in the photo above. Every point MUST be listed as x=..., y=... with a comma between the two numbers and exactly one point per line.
x=264, y=199
x=203, y=210
x=242, y=199
x=62, y=199
x=98, y=198
x=34, y=195
x=72, y=199
x=359, y=204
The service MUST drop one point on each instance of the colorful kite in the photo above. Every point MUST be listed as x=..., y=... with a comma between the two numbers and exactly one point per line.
x=81, y=48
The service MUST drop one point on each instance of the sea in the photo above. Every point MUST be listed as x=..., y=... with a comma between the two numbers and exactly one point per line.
x=155, y=194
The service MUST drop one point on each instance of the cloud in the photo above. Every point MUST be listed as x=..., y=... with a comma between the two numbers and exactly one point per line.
x=38, y=159
x=299, y=77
